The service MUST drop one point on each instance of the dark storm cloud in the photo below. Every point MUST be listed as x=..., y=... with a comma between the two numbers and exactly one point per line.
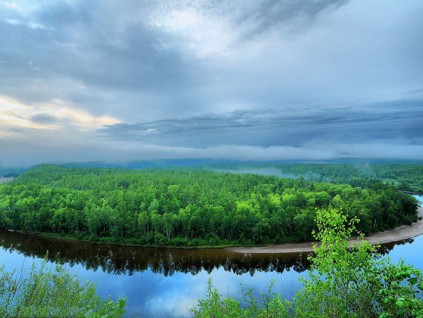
x=368, y=123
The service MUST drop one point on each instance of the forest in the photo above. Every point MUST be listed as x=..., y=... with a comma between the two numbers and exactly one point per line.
x=404, y=176
x=189, y=207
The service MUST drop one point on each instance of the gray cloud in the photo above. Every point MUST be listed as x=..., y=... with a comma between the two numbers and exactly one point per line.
x=50, y=150
x=82, y=55
x=261, y=16
x=109, y=57
x=283, y=127
x=44, y=118
x=278, y=78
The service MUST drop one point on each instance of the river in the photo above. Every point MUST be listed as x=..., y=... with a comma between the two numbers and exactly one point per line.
x=159, y=282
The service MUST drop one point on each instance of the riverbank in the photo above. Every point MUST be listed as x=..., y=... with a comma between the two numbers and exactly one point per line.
x=400, y=233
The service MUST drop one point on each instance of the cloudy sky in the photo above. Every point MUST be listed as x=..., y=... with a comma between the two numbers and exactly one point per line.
x=120, y=80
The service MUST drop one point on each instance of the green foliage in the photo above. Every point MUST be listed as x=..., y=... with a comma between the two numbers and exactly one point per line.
x=344, y=281
x=406, y=177
x=215, y=305
x=44, y=292
x=354, y=281
x=399, y=285
x=188, y=207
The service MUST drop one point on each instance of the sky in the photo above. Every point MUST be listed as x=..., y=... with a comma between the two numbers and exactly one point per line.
x=120, y=80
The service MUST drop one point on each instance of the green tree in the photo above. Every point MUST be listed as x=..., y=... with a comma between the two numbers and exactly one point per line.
x=354, y=281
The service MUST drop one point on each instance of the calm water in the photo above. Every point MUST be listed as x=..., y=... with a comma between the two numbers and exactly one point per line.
x=167, y=282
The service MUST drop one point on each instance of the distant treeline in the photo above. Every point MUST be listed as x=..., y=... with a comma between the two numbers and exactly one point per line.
x=182, y=207
x=404, y=176
x=11, y=172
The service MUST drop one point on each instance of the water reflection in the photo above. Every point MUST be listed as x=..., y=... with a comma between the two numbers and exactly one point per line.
x=126, y=259
x=386, y=248
x=164, y=282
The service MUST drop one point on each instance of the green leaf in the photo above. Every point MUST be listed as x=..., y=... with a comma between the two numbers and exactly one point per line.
x=399, y=303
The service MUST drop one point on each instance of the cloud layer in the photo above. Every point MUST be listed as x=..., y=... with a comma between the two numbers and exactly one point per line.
x=182, y=77
x=288, y=126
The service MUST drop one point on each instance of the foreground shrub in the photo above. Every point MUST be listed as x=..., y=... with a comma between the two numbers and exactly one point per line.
x=215, y=305
x=52, y=292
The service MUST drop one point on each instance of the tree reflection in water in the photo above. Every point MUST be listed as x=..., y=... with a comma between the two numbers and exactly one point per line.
x=118, y=259
x=126, y=260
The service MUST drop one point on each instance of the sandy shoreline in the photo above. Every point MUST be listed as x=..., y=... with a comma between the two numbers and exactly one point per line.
x=403, y=232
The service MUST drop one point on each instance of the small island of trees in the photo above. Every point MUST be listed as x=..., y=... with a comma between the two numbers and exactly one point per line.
x=188, y=207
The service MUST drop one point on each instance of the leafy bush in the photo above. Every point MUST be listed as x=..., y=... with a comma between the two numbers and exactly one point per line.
x=48, y=292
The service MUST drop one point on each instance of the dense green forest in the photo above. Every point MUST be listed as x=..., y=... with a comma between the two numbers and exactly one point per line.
x=407, y=177
x=404, y=176
x=182, y=207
